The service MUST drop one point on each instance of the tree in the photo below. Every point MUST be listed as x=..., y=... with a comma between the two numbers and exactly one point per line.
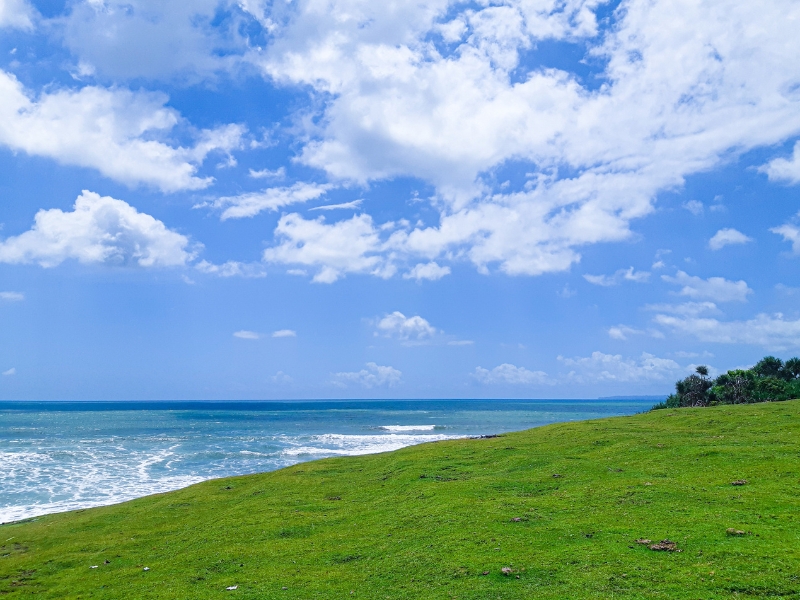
x=791, y=368
x=769, y=366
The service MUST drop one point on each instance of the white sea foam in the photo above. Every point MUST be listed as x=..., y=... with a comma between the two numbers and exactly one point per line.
x=335, y=444
x=401, y=428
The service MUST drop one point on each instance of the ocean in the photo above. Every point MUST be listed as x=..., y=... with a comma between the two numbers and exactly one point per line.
x=59, y=456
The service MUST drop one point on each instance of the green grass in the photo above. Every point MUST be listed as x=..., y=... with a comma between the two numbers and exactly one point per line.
x=428, y=521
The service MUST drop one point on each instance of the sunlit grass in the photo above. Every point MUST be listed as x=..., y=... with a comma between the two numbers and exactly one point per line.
x=561, y=507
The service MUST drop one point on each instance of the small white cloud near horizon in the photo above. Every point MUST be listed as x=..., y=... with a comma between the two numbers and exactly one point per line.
x=283, y=333
x=717, y=289
x=511, y=375
x=430, y=271
x=12, y=296
x=373, y=376
x=621, y=275
x=11, y=371
x=397, y=325
x=281, y=378
x=99, y=229
x=772, y=332
x=244, y=334
x=613, y=367
x=727, y=237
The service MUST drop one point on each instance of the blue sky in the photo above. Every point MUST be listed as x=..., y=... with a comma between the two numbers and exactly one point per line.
x=347, y=199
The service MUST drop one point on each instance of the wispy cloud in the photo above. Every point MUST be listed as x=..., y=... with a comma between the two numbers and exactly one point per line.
x=244, y=334
x=621, y=275
x=716, y=289
x=283, y=333
x=373, y=376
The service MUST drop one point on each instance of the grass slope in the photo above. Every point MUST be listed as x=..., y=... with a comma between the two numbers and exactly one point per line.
x=428, y=521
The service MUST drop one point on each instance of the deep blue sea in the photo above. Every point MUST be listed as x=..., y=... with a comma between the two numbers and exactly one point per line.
x=57, y=456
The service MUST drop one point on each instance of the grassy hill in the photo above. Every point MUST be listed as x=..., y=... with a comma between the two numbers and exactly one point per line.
x=561, y=507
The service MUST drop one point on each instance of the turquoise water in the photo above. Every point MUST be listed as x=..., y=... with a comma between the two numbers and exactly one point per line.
x=57, y=456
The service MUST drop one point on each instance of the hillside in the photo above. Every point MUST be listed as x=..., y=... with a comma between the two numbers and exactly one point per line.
x=561, y=507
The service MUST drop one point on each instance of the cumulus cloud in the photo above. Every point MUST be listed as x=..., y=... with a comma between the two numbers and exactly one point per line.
x=232, y=268
x=114, y=131
x=717, y=289
x=16, y=14
x=681, y=93
x=283, y=333
x=244, y=334
x=130, y=38
x=695, y=207
x=351, y=246
x=398, y=326
x=622, y=275
x=12, y=296
x=249, y=205
x=613, y=367
x=791, y=234
x=773, y=332
x=99, y=229
x=373, y=376
x=431, y=271
x=727, y=237
x=511, y=375
x=784, y=169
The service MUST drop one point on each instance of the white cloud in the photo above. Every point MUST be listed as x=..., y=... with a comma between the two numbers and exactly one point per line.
x=622, y=275
x=11, y=371
x=12, y=296
x=98, y=230
x=278, y=173
x=351, y=246
x=790, y=233
x=281, y=377
x=373, y=376
x=232, y=268
x=399, y=326
x=681, y=93
x=784, y=169
x=727, y=237
x=695, y=207
x=16, y=14
x=772, y=332
x=621, y=332
x=249, y=205
x=460, y=343
x=114, y=131
x=343, y=206
x=431, y=271
x=717, y=289
x=282, y=333
x=613, y=367
x=690, y=309
x=244, y=334
x=510, y=374
x=155, y=40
